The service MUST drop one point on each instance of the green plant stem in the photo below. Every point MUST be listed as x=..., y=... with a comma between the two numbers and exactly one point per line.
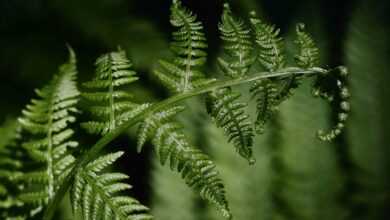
x=94, y=151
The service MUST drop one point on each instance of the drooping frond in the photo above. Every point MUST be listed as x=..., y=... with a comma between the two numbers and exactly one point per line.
x=195, y=167
x=266, y=94
x=339, y=94
x=230, y=115
x=45, y=123
x=270, y=45
x=237, y=45
x=308, y=55
x=110, y=103
x=99, y=195
x=189, y=42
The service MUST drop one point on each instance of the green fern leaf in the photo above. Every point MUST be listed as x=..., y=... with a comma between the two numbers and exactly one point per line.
x=196, y=168
x=270, y=45
x=46, y=121
x=110, y=103
x=308, y=55
x=238, y=46
x=183, y=74
x=96, y=195
x=266, y=94
x=230, y=115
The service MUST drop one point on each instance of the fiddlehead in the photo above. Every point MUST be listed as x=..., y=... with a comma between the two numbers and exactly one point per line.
x=308, y=57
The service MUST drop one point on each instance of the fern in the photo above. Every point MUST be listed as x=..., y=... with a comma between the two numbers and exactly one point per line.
x=367, y=130
x=10, y=167
x=229, y=115
x=171, y=145
x=111, y=104
x=223, y=104
x=238, y=45
x=271, y=56
x=46, y=122
x=96, y=195
x=183, y=73
x=308, y=55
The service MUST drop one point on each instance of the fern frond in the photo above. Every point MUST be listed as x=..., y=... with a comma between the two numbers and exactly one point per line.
x=271, y=49
x=238, y=46
x=230, y=115
x=308, y=55
x=97, y=195
x=195, y=167
x=46, y=122
x=189, y=43
x=110, y=102
x=266, y=94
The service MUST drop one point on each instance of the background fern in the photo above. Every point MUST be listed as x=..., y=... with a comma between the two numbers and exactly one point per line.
x=367, y=133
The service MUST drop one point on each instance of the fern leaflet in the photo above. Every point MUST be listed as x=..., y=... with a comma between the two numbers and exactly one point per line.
x=96, y=195
x=171, y=145
x=308, y=56
x=183, y=73
x=46, y=121
x=111, y=105
x=238, y=46
x=230, y=115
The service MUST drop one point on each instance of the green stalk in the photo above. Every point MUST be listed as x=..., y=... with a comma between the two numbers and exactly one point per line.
x=106, y=139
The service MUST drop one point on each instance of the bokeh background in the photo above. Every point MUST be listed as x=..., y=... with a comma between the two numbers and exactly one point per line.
x=296, y=176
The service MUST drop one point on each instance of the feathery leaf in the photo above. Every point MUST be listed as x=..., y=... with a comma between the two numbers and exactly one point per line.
x=110, y=103
x=46, y=122
x=97, y=195
x=195, y=167
x=189, y=42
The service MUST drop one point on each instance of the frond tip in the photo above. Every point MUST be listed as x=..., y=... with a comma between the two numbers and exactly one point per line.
x=110, y=103
x=271, y=50
x=96, y=195
x=237, y=45
x=342, y=94
x=189, y=42
x=47, y=123
x=308, y=55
